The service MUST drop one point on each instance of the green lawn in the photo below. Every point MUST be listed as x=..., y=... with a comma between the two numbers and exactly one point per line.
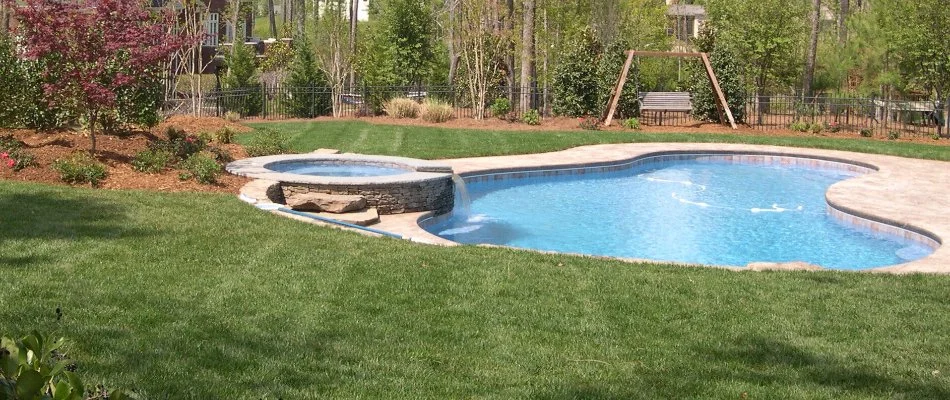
x=432, y=143
x=201, y=296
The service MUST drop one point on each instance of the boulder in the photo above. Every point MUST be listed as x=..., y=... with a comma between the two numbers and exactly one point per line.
x=322, y=202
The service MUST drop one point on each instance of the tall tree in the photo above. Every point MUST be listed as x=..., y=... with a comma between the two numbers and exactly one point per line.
x=479, y=45
x=271, y=20
x=844, y=8
x=354, y=17
x=527, y=53
x=811, y=52
x=332, y=50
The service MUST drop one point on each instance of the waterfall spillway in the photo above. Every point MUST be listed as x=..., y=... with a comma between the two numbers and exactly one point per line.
x=463, y=203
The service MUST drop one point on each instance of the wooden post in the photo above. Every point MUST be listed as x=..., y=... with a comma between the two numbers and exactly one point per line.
x=719, y=95
x=618, y=89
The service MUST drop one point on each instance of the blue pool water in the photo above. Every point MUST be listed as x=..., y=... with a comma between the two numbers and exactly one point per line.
x=322, y=168
x=708, y=212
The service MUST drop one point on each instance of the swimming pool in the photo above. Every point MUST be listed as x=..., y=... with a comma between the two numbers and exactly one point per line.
x=701, y=209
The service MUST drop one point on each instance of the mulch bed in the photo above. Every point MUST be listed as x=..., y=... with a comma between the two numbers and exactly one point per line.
x=117, y=152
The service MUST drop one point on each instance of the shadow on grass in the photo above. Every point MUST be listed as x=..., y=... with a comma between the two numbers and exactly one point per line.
x=33, y=212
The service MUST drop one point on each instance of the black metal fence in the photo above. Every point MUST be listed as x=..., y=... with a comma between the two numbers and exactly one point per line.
x=821, y=113
x=281, y=102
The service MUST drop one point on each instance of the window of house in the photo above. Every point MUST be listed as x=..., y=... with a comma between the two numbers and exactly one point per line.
x=211, y=29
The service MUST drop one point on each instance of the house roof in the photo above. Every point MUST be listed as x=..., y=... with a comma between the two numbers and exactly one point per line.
x=686, y=10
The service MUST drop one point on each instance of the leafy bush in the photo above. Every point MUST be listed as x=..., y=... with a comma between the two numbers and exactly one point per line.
x=531, y=117
x=34, y=368
x=893, y=135
x=173, y=132
x=833, y=127
x=308, y=97
x=730, y=73
x=867, y=132
x=935, y=135
x=589, y=124
x=220, y=155
x=203, y=168
x=180, y=144
x=80, y=168
x=500, y=107
x=632, y=123
x=575, y=78
x=436, y=111
x=152, y=160
x=232, y=116
x=242, y=78
x=12, y=154
x=267, y=142
x=224, y=135
x=608, y=70
x=401, y=107
x=816, y=128
x=799, y=126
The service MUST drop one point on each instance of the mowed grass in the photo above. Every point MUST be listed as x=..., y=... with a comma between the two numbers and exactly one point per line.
x=201, y=296
x=438, y=143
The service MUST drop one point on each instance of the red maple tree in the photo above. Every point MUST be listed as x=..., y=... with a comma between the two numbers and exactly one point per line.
x=90, y=49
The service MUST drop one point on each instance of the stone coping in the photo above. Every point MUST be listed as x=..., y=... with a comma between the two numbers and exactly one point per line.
x=416, y=170
x=907, y=194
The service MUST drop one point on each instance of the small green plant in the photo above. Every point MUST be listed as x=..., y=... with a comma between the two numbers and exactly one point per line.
x=401, y=107
x=80, y=168
x=232, y=116
x=436, y=111
x=267, y=142
x=12, y=154
x=867, y=132
x=224, y=135
x=632, y=123
x=816, y=128
x=33, y=367
x=589, y=123
x=205, y=137
x=500, y=107
x=893, y=135
x=799, y=126
x=202, y=167
x=935, y=135
x=152, y=160
x=220, y=155
x=531, y=117
x=833, y=127
x=174, y=132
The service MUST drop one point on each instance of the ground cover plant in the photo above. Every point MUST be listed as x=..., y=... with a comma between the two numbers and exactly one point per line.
x=166, y=292
x=439, y=142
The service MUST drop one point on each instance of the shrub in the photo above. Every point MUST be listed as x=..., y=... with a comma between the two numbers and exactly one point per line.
x=203, y=168
x=500, y=107
x=152, y=160
x=436, y=111
x=799, y=126
x=590, y=124
x=867, y=132
x=575, y=79
x=267, y=142
x=531, y=117
x=173, y=132
x=224, y=135
x=935, y=135
x=220, y=155
x=730, y=72
x=80, y=168
x=205, y=137
x=33, y=367
x=893, y=135
x=833, y=127
x=816, y=128
x=608, y=67
x=632, y=123
x=242, y=78
x=308, y=97
x=180, y=144
x=232, y=116
x=12, y=154
x=401, y=107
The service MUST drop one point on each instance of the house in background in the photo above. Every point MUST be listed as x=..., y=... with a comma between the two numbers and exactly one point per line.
x=685, y=22
x=219, y=32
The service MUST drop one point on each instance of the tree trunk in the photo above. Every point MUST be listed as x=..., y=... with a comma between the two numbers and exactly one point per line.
x=510, y=50
x=92, y=132
x=300, y=17
x=527, y=54
x=271, y=19
x=842, y=19
x=812, y=50
x=354, y=14
x=450, y=41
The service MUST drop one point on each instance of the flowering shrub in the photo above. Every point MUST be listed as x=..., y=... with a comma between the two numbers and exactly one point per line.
x=12, y=154
x=589, y=123
x=833, y=126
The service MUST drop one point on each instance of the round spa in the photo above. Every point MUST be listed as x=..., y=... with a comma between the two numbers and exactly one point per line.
x=392, y=185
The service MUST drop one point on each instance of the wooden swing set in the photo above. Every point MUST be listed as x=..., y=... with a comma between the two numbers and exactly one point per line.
x=721, y=103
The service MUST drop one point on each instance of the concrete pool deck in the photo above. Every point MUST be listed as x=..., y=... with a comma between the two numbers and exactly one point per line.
x=911, y=194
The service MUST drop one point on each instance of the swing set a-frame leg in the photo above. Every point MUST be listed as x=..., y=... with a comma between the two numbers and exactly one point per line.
x=618, y=89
